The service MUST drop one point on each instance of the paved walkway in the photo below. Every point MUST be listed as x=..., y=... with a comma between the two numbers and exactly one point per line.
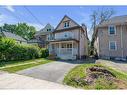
x=15, y=81
x=53, y=71
x=115, y=64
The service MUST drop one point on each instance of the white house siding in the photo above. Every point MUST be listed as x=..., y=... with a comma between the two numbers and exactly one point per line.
x=124, y=34
x=83, y=45
x=61, y=35
x=70, y=34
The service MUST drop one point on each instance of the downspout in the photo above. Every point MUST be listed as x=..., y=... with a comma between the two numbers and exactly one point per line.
x=122, y=41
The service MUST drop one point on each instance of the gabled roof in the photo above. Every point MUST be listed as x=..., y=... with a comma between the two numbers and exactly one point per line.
x=115, y=20
x=68, y=18
x=44, y=30
x=13, y=36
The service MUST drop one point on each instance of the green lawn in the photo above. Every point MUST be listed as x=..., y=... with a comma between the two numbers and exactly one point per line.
x=79, y=72
x=14, y=66
x=3, y=64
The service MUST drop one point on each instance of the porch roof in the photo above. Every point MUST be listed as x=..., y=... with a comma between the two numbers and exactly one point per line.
x=64, y=40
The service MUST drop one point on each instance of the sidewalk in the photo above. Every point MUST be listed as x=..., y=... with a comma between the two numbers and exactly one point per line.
x=15, y=81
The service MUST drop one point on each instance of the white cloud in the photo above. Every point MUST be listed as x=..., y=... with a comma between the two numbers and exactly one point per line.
x=10, y=8
x=4, y=18
x=81, y=7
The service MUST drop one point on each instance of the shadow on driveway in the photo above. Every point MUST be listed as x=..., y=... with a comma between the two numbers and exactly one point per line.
x=83, y=61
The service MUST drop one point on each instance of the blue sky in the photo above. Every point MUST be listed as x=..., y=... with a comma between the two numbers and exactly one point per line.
x=52, y=14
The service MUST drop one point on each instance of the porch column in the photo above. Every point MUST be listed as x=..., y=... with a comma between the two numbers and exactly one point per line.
x=51, y=48
x=72, y=48
x=59, y=47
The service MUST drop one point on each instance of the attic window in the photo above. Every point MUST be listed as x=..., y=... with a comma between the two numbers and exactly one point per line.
x=49, y=29
x=66, y=24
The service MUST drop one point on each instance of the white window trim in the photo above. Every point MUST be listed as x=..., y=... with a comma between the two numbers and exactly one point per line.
x=66, y=24
x=109, y=29
x=115, y=46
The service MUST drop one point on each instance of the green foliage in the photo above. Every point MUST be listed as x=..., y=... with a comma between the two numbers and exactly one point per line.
x=102, y=83
x=10, y=50
x=44, y=53
x=21, y=29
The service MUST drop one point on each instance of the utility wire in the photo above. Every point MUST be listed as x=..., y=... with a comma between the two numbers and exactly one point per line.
x=33, y=15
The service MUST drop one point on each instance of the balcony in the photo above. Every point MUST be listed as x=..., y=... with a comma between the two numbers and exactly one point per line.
x=65, y=36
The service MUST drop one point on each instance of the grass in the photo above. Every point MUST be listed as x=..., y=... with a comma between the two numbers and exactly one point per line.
x=4, y=64
x=15, y=66
x=100, y=83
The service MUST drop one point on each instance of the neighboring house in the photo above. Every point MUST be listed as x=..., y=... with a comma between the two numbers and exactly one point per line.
x=70, y=40
x=111, y=38
x=44, y=35
x=18, y=38
x=34, y=42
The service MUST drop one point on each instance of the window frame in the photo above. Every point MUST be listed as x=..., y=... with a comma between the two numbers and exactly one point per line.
x=110, y=45
x=114, y=29
x=66, y=24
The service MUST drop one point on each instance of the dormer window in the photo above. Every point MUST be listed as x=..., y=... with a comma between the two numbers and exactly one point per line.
x=66, y=24
x=112, y=29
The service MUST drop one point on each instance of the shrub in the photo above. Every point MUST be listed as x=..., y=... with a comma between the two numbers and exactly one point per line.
x=44, y=53
x=10, y=50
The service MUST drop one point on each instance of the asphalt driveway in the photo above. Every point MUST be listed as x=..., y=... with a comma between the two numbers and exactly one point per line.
x=53, y=71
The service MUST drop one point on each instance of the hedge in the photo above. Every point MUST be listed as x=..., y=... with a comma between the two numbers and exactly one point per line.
x=10, y=50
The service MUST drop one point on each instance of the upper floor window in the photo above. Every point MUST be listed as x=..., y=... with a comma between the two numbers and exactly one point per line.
x=112, y=30
x=66, y=24
x=49, y=29
x=112, y=45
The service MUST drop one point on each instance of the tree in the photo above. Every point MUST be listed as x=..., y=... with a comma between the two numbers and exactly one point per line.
x=21, y=29
x=9, y=28
x=31, y=32
x=98, y=17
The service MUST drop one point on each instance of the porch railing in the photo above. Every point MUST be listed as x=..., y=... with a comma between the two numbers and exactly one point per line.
x=65, y=51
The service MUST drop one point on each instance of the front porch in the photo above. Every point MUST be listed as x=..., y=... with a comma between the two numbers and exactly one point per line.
x=64, y=49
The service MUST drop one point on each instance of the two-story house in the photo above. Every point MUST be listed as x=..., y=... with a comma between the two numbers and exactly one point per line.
x=111, y=38
x=44, y=35
x=70, y=40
